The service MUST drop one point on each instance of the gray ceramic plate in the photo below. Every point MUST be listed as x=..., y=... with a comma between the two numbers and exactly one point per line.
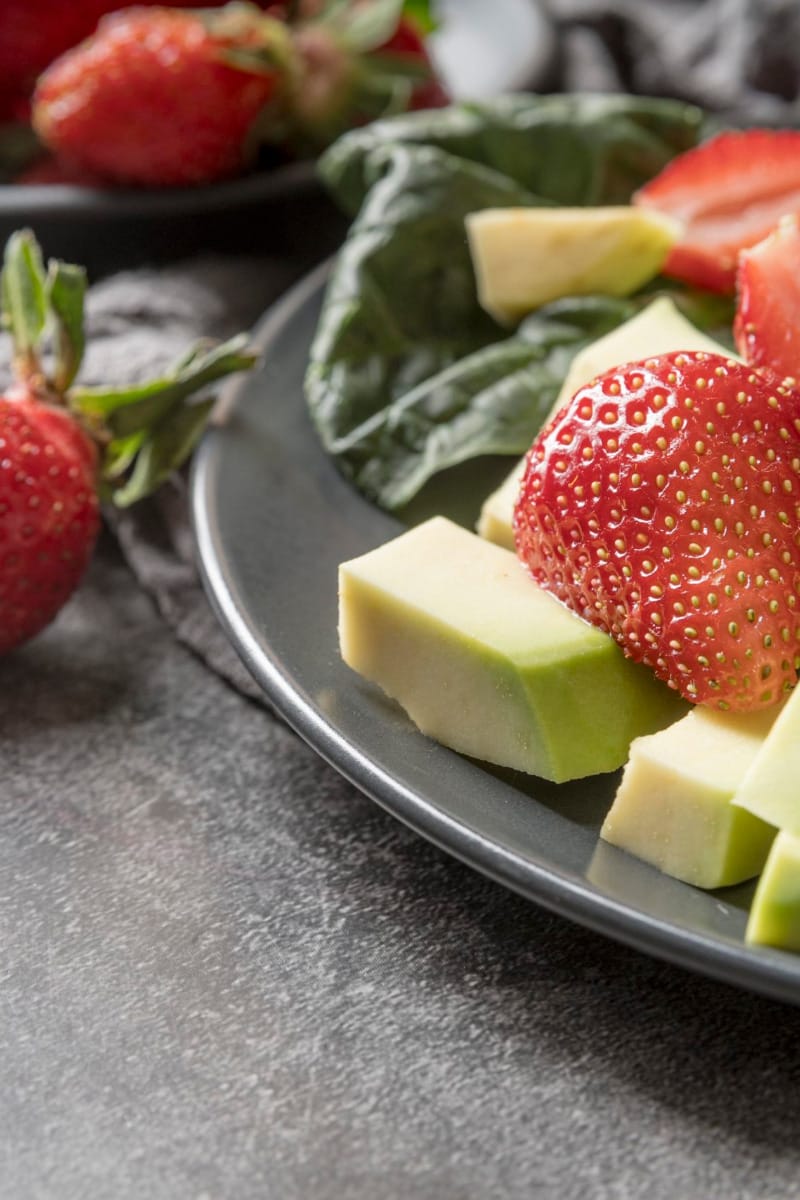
x=273, y=519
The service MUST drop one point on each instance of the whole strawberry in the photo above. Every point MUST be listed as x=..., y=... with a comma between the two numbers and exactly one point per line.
x=160, y=97
x=662, y=506
x=64, y=448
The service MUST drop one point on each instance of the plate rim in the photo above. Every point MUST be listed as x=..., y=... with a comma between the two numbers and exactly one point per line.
x=66, y=201
x=764, y=970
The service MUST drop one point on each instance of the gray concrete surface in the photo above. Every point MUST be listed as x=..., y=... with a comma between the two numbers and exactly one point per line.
x=226, y=974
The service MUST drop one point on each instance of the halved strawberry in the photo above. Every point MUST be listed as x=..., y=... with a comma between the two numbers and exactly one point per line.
x=729, y=192
x=662, y=505
x=767, y=322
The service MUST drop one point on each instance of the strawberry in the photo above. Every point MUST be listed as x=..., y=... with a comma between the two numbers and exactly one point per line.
x=159, y=97
x=729, y=192
x=662, y=505
x=49, y=510
x=767, y=322
x=64, y=448
x=32, y=35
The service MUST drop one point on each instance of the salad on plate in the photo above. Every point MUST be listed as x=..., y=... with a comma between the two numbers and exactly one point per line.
x=605, y=288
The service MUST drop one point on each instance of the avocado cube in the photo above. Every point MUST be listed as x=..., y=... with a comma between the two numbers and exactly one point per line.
x=488, y=663
x=673, y=807
x=775, y=912
x=771, y=787
x=526, y=257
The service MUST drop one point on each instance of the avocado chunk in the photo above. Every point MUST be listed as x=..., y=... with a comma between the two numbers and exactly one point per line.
x=775, y=912
x=673, y=807
x=657, y=329
x=771, y=787
x=526, y=257
x=496, y=520
x=489, y=664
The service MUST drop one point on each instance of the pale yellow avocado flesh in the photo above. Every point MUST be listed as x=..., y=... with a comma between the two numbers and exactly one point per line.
x=526, y=257
x=658, y=329
x=487, y=663
x=771, y=788
x=775, y=911
x=673, y=807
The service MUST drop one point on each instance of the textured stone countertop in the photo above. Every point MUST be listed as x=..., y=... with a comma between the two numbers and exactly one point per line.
x=227, y=974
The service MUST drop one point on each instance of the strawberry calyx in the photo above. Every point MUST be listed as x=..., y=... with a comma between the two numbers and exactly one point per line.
x=144, y=432
x=356, y=62
x=249, y=39
x=336, y=63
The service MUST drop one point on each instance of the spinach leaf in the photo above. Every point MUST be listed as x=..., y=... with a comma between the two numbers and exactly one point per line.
x=408, y=375
x=568, y=149
x=489, y=402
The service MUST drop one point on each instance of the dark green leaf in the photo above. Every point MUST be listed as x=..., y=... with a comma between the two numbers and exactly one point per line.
x=163, y=452
x=126, y=411
x=66, y=289
x=570, y=149
x=490, y=402
x=407, y=373
x=120, y=453
x=401, y=304
x=24, y=293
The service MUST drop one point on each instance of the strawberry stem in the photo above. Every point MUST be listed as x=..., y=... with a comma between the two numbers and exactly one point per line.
x=66, y=290
x=24, y=302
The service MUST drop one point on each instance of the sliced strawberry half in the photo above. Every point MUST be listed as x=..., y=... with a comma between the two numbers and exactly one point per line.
x=767, y=322
x=729, y=192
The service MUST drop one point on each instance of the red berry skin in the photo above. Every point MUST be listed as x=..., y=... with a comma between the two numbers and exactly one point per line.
x=49, y=513
x=663, y=505
x=148, y=100
x=729, y=192
x=767, y=322
x=35, y=32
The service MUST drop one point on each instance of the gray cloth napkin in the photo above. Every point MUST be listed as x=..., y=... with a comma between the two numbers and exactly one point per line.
x=138, y=322
x=737, y=57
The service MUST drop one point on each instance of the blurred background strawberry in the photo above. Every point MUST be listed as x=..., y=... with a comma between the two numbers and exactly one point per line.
x=155, y=96
x=33, y=35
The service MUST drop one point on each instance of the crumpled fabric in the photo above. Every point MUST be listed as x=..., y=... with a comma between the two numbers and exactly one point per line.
x=738, y=58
